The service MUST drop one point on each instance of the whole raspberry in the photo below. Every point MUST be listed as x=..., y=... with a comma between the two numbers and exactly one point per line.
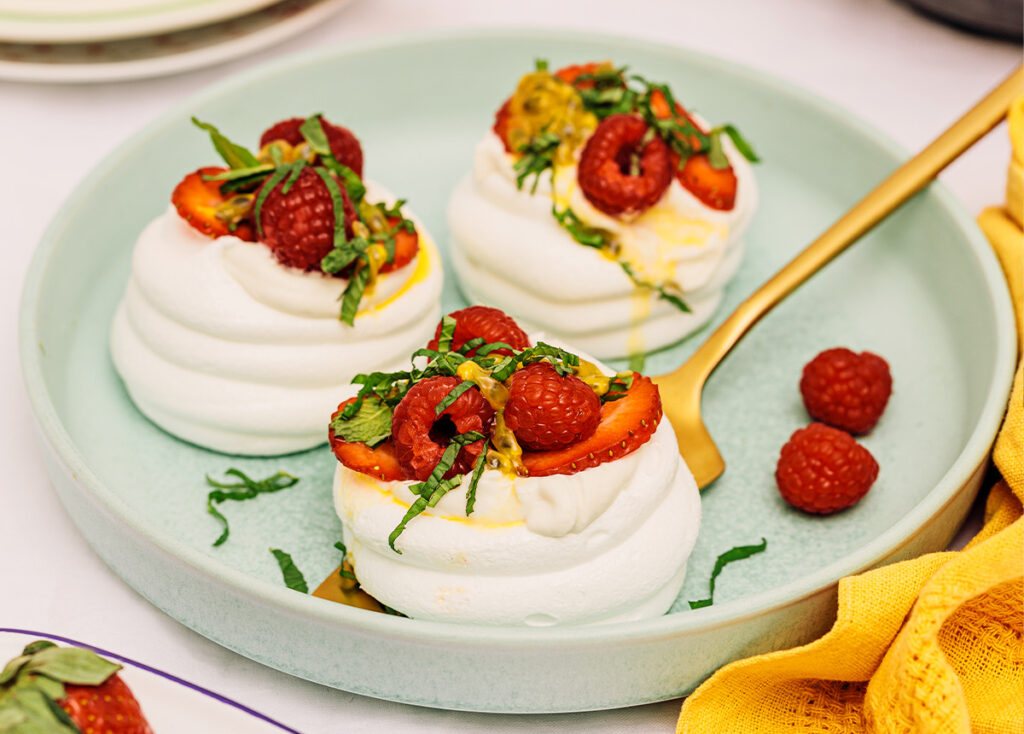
x=420, y=437
x=299, y=226
x=619, y=172
x=845, y=389
x=343, y=143
x=548, y=411
x=492, y=324
x=822, y=470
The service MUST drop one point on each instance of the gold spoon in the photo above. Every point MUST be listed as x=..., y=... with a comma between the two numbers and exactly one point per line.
x=681, y=390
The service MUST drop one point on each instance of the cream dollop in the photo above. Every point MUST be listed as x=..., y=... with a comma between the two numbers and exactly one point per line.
x=221, y=345
x=510, y=252
x=606, y=544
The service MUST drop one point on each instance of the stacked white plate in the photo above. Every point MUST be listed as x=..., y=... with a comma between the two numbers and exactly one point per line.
x=107, y=40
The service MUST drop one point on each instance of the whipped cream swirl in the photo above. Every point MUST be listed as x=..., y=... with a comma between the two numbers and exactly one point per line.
x=510, y=252
x=221, y=345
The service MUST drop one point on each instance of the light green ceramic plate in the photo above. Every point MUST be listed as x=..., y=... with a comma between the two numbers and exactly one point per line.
x=923, y=290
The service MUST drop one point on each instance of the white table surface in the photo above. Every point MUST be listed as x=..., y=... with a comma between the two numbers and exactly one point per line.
x=907, y=75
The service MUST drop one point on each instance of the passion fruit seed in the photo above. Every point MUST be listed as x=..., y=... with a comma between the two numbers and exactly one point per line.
x=373, y=217
x=235, y=209
x=544, y=103
x=289, y=153
x=360, y=230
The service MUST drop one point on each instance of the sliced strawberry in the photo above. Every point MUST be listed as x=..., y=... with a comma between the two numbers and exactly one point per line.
x=197, y=199
x=380, y=463
x=626, y=424
x=500, y=126
x=570, y=74
x=715, y=187
x=407, y=244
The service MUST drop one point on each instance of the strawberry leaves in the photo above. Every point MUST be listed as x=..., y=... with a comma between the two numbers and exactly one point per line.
x=32, y=683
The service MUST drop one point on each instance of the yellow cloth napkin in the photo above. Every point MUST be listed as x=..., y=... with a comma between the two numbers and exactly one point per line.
x=931, y=645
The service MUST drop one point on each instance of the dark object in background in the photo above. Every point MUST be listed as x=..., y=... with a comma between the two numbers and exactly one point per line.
x=1003, y=18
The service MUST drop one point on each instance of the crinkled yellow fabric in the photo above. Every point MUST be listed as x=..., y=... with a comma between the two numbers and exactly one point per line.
x=934, y=645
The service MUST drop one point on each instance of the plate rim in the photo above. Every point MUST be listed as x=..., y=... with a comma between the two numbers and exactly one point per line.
x=973, y=454
x=226, y=49
x=29, y=27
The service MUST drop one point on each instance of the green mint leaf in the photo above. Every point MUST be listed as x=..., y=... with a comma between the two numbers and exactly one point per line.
x=236, y=173
x=338, y=204
x=291, y=574
x=537, y=156
x=431, y=491
x=716, y=155
x=741, y=143
x=343, y=255
x=582, y=233
x=344, y=556
x=353, y=295
x=478, y=470
x=371, y=424
x=735, y=554
x=353, y=184
x=452, y=396
x=236, y=156
x=444, y=341
x=469, y=346
x=540, y=64
x=492, y=346
x=619, y=385
x=663, y=293
x=276, y=177
x=244, y=489
x=313, y=131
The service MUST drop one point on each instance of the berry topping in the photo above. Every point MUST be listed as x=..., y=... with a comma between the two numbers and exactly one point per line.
x=822, y=470
x=201, y=203
x=344, y=145
x=299, y=225
x=626, y=424
x=570, y=74
x=715, y=187
x=407, y=244
x=379, y=462
x=64, y=689
x=500, y=126
x=109, y=707
x=624, y=169
x=489, y=324
x=845, y=389
x=421, y=435
x=550, y=411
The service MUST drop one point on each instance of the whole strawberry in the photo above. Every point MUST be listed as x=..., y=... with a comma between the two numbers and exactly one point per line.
x=547, y=410
x=297, y=222
x=66, y=689
x=845, y=389
x=822, y=470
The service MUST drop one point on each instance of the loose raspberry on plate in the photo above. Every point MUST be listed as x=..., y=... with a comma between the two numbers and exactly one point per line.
x=201, y=203
x=623, y=169
x=491, y=324
x=380, y=462
x=420, y=436
x=822, y=470
x=550, y=411
x=845, y=389
x=626, y=424
x=299, y=225
x=344, y=145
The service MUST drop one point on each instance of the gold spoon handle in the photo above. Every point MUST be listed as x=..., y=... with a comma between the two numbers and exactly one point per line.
x=903, y=183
